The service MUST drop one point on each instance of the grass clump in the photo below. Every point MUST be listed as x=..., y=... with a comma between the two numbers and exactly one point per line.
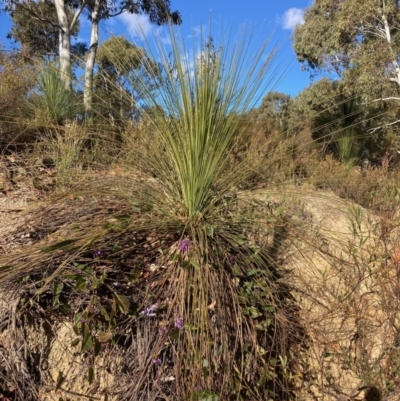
x=50, y=102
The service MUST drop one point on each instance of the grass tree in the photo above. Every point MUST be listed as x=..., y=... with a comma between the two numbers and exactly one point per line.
x=202, y=93
x=50, y=100
x=183, y=275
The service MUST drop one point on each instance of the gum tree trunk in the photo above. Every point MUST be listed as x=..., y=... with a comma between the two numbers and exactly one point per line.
x=65, y=44
x=89, y=71
x=65, y=40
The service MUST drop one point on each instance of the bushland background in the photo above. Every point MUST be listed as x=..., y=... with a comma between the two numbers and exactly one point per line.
x=174, y=228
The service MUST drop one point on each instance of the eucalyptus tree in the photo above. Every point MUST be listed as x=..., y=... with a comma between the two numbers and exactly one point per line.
x=38, y=35
x=66, y=18
x=56, y=21
x=275, y=106
x=359, y=41
x=119, y=64
x=158, y=12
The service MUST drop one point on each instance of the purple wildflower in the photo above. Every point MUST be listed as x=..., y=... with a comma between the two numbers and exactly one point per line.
x=183, y=245
x=116, y=284
x=157, y=362
x=162, y=330
x=149, y=311
x=179, y=323
x=97, y=253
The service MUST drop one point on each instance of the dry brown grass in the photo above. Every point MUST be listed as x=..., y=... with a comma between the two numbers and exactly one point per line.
x=16, y=79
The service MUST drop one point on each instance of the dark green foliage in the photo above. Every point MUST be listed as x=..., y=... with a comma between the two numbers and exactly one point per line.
x=159, y=11
x=35, y=28
x=336, y=117
x=274, y=110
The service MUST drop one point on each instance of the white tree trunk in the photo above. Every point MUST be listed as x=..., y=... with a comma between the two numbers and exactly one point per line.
x=59, y=41
x=89, y=71
x=65, y=44
x=395, y=63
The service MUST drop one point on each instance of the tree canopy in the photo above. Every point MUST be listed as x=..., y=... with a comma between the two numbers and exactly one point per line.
x=360, y=42
x=55, y=22
x=38, y=34
x=119, y=64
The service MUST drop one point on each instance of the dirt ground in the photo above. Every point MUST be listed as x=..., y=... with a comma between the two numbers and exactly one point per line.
x=17, y=196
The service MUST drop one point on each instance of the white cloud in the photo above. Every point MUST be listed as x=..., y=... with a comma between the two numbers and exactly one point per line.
x=138, y=26
x=162, y=34
x=196, y=31
x=293, y=17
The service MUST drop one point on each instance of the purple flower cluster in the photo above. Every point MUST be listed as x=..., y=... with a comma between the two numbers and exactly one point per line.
x=157, y=362
x=150, y=311
x=183, y=245
x=179, y=323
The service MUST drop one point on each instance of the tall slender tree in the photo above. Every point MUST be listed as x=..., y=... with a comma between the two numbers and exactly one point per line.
x=63, y=22
x=360, y=43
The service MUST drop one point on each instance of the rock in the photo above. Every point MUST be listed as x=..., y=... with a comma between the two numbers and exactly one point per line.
x=346, y=279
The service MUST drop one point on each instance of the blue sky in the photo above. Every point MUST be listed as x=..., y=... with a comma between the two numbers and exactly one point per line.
x=278, y=16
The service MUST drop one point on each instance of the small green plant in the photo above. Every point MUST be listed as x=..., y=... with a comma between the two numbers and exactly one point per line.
x=50, y=102
x=346, y=147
